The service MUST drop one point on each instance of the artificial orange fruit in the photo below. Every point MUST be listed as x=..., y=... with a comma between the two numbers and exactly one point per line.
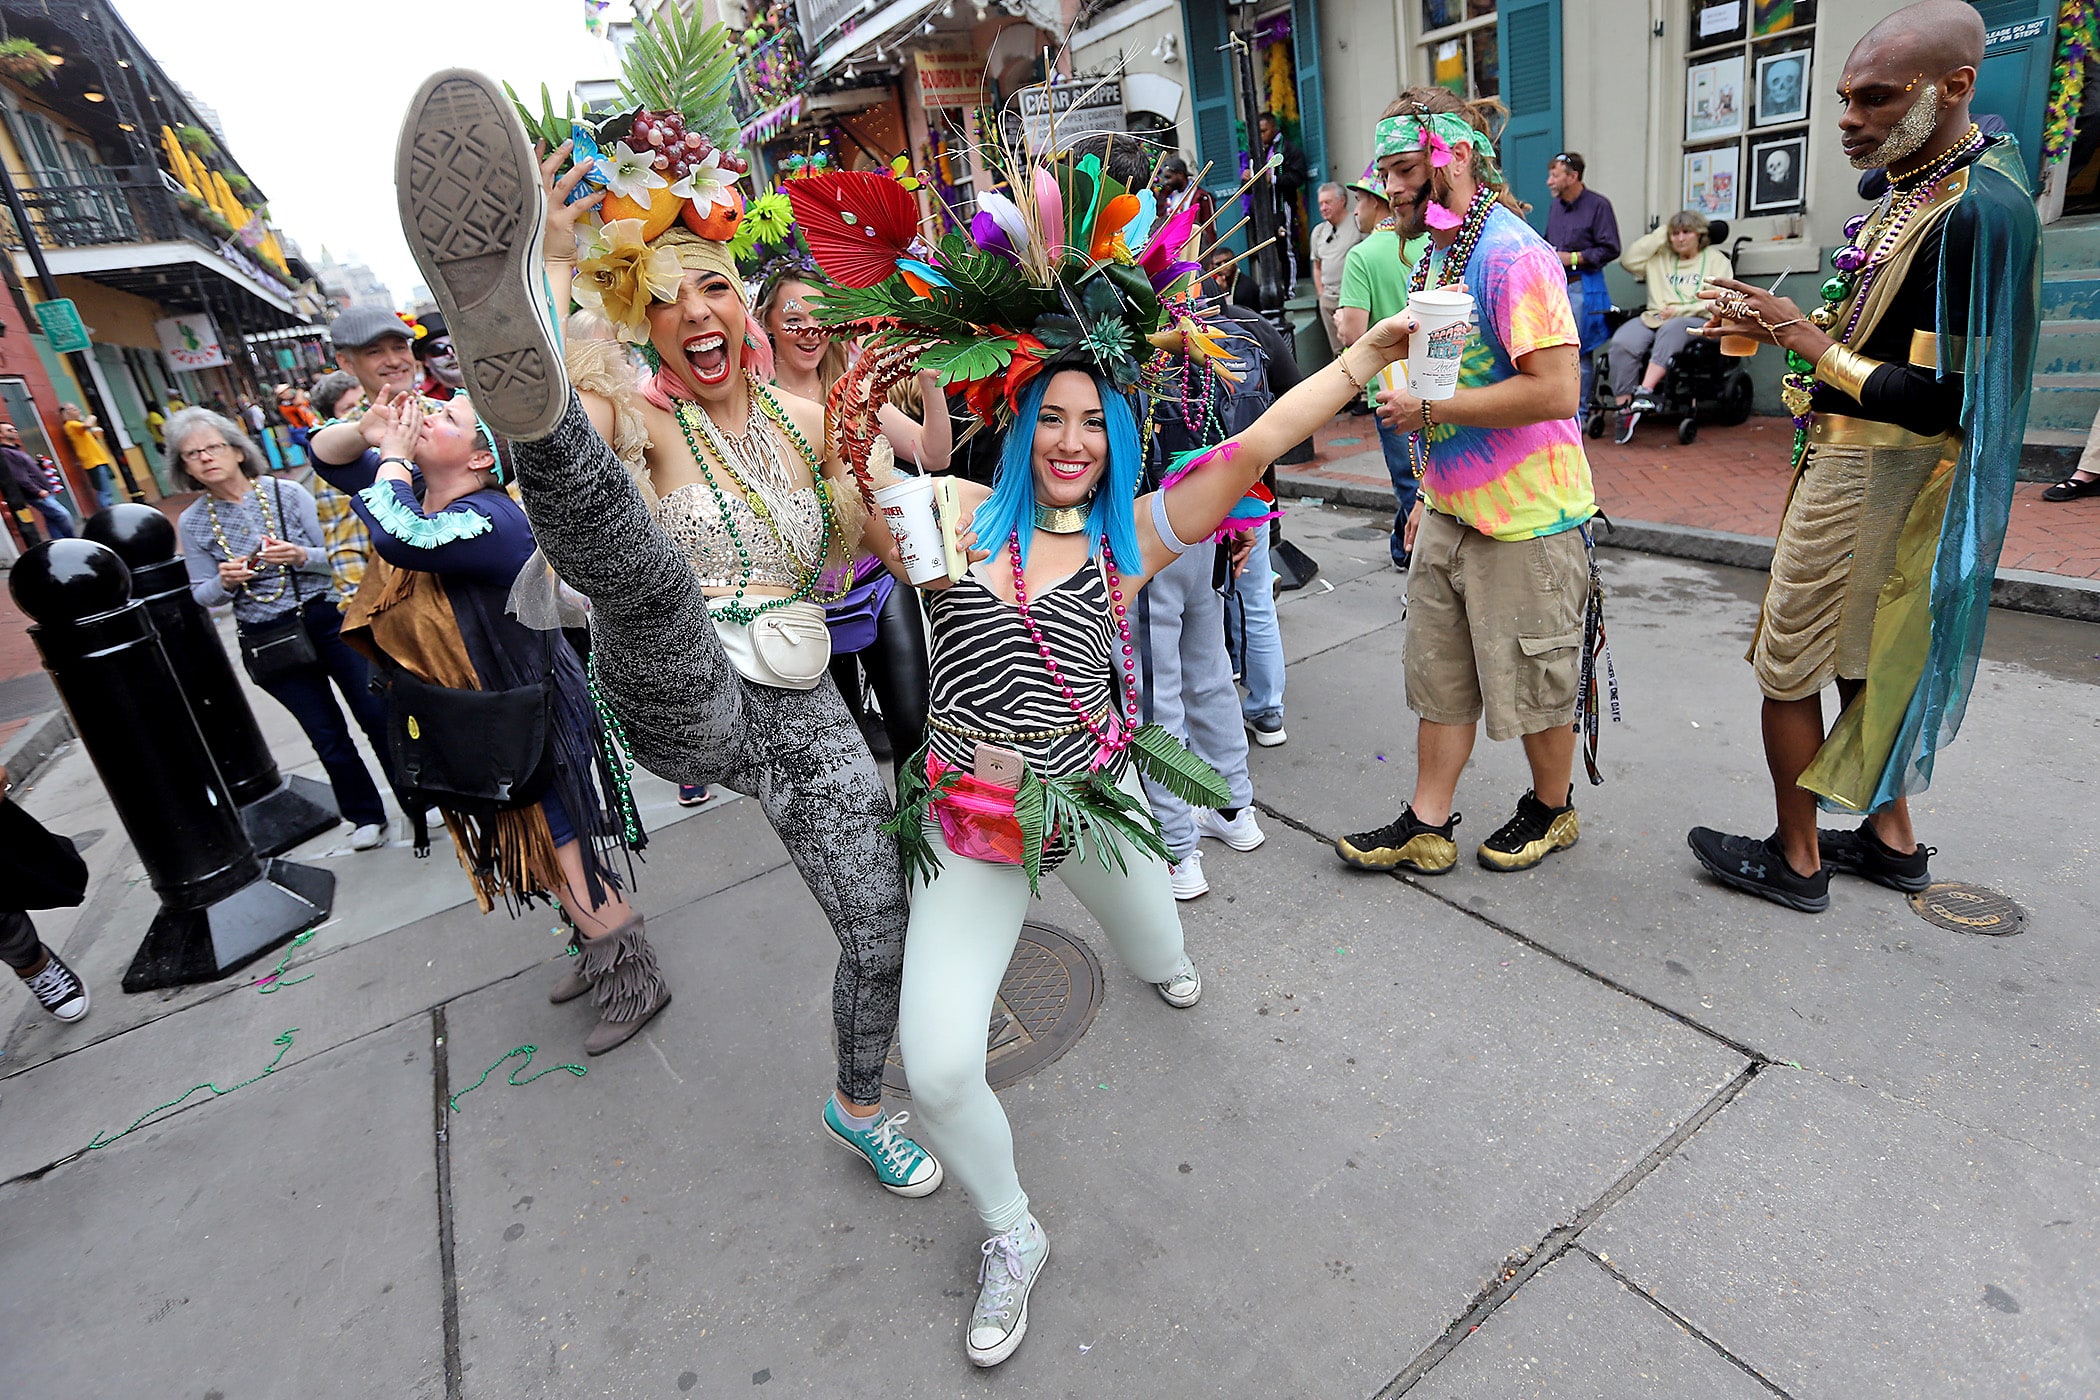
x=664, y=208
x=718, y=223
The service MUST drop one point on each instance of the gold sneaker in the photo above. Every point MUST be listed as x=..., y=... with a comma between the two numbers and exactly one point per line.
x=1405, y=843
x=1535, y=832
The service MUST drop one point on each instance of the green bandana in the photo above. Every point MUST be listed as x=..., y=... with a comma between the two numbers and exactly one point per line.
x=1396, y=136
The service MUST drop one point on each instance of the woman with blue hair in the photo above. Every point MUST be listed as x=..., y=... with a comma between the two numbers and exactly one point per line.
x=1032, y=751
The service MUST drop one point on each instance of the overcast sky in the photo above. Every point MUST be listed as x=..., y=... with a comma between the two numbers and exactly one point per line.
x=311, y=94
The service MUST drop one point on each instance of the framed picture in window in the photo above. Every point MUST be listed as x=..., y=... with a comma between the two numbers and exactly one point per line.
x=1782, y=87
x=1714, y=99
x=1777, y=169
x=1710, y=181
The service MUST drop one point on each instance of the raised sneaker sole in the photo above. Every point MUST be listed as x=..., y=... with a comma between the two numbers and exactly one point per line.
x=924, y=1188
x=992, y=1356
x=474, y=216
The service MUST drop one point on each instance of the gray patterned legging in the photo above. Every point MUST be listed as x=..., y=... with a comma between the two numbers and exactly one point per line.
x=690, y=717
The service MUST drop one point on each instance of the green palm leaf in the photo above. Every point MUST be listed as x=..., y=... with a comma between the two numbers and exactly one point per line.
x=1167, y=761
x=1029, y=813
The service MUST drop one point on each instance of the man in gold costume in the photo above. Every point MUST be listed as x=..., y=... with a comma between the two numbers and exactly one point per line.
x=1909, y=389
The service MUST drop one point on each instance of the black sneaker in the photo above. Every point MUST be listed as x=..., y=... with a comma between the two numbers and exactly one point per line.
x=1629, y=419
x=1862, y=853
x=1759, y=867
x=58, y=989
x=1535, y=832
x=1405, y=843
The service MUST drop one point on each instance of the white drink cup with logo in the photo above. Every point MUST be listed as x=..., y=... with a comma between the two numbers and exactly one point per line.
x=1438, y=347
x=907, y=508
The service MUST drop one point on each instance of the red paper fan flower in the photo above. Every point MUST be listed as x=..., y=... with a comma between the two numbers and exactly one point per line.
x=857, y=223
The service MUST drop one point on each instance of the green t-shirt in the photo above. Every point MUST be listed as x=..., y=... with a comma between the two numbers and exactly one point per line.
x=1374, y=276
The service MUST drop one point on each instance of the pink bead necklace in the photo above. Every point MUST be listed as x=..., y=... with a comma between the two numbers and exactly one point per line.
x=1111, y=744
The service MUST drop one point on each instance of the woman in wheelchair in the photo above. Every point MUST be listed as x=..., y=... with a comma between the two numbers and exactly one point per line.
x=1675, y=261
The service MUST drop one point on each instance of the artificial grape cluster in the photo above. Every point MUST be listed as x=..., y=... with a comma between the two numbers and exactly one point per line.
x=678, y=151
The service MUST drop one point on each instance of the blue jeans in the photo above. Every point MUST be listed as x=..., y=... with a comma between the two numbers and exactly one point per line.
x=1586, y=357
x=1251, y=632
x=1192, y=694
x=306, y=694
x=1405, y=487
x=105, y=483
x=58, y=521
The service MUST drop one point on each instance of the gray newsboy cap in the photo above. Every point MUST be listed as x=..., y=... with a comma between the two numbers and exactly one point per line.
x=361, y=325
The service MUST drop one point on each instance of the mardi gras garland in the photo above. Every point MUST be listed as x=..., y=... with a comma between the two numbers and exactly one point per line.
x=2076, y=28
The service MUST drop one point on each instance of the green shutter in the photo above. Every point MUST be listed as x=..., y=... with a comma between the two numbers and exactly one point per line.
x=2013, y=81
x=1312, y=116
x=1211, y=96
x=1527, y=40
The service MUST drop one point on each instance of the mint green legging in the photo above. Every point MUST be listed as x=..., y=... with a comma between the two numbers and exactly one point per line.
x=963, y=929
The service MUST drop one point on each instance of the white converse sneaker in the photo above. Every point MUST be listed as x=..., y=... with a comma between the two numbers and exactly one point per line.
x=1012, y=1263
x=1242, y=833
x=1185, y=988
x=1187, y=876
x=369, y=837
x=472, y=211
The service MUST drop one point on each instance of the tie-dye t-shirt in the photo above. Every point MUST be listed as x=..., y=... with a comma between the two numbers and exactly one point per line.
x=1511, y=483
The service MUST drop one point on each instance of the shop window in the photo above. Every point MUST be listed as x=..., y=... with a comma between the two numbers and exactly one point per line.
x=1458, y=47
x=1749, y=80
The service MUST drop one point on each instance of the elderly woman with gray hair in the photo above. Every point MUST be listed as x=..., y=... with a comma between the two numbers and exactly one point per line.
x=254, y=540
x=1675, y=261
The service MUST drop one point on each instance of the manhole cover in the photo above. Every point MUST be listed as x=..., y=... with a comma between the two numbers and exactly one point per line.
x=1362, y=532
x=1046, y=1001
x=1969, y=909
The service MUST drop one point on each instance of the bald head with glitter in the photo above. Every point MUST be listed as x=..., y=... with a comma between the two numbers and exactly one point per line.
x=1907, y=85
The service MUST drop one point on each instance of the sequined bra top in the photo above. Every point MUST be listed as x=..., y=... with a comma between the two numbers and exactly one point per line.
x=694, y=522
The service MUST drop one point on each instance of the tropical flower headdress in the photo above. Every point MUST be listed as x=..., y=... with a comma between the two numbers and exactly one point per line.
x=1067, y=266
x=669, y=163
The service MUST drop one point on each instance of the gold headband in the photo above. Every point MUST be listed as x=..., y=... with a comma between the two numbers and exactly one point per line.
x=697, y=254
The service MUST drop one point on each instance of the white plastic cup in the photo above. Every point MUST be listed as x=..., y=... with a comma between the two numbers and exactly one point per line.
x=907, y=508
x=1438, y=347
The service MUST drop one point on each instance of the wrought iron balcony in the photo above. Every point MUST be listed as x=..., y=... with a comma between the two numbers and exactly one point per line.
x=120, y=204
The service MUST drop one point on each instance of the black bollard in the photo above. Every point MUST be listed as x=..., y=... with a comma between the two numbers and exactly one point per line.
x=277, y=813
x=221, y=904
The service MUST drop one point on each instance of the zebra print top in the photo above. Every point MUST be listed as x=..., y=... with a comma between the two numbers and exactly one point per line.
x=987, y=678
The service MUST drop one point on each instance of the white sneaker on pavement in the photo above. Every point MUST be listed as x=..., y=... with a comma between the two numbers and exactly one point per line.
x=1012, y=1263
x=1185, y=988
x=368, y=838
x=1242, y=833
x=1187, y=877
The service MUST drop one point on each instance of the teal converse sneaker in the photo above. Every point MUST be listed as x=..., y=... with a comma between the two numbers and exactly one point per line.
x=1012, y=1263
x=902, y=1166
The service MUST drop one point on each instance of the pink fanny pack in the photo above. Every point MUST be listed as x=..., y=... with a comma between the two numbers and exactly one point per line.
x=977, y=818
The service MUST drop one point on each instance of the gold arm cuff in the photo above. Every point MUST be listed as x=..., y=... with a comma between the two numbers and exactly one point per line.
x=1925, y=349
x=1840, y=430
x=1844, y=368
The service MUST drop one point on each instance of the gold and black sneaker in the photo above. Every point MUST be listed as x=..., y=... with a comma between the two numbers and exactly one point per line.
x=1405, y=843
x=1535, y=832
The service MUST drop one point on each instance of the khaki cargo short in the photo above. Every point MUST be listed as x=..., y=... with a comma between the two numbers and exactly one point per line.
x=1495, y=626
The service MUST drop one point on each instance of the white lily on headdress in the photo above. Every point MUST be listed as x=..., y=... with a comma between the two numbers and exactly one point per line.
x=707, y=184
x=629, y=173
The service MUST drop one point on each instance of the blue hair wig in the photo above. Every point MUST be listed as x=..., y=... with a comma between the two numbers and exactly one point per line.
x=1012, y=504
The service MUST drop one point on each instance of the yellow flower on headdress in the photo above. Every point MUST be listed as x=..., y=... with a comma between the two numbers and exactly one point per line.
x=1198, y=340
x=619, y=274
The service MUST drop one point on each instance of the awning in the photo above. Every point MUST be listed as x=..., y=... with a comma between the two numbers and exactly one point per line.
x=144, y=269
x=886, y=23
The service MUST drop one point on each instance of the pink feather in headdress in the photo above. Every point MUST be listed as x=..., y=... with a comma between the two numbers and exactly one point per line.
x=1165, y=244
x=1050, y=213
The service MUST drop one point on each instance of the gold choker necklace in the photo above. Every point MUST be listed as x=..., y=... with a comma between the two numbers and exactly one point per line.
x=1063, y=520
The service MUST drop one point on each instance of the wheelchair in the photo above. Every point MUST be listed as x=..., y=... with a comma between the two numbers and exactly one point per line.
x=1700, y=385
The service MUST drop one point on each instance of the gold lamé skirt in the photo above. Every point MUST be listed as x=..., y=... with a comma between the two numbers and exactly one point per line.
x=1836, y=549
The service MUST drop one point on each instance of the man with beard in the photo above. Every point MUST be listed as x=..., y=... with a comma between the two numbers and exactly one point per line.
x=1909, y=392
x=1498, y=590
x=372, y=344
x=442, y=375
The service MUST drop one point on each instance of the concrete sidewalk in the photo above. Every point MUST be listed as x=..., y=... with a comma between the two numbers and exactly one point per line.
x=1720, y=500
x=1603, y=1129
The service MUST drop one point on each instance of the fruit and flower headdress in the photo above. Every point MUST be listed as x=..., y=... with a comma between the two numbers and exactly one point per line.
x=1065, y=266
x=669, y=164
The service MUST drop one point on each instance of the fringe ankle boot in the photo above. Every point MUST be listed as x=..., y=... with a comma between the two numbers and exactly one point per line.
x=572, y=983
x=626, y=983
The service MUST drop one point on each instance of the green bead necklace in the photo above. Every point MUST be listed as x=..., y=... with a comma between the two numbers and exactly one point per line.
x=734, y=609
